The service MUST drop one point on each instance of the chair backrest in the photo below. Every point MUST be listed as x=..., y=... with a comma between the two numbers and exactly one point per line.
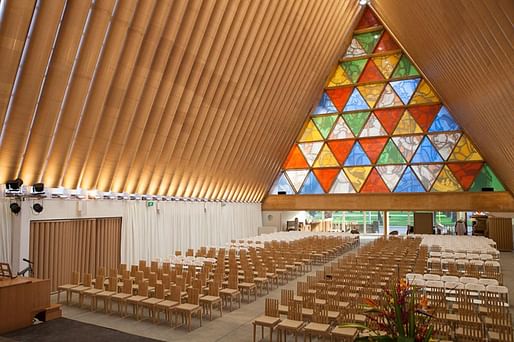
x=320, y=314
x=214, y=289
x=154, y=265
x=166, y=281
x=175, y=293
x=152, y=279
x=142, y=289
x=122, y=268
x=133, y=270
x=113, y=284
x=101, y=271
x=99, y=282
x=159, y=291
x=142, y=264
x=113, y=272
x=294, y=310
x=271, y=307
x=233, y=281
x=75, y=278
x=193, y=295
x=127, y=286
x=87, y=279
x=308, y=300
x=139, y=276
x=286, y=296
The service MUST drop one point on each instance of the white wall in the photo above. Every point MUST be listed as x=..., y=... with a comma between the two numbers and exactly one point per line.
x=279, y=218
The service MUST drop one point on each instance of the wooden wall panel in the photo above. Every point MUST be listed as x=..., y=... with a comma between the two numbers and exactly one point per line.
x=500, y=230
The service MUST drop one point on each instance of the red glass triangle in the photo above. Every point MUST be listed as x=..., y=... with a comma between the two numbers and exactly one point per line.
x=295, y=159
x=373, y=147
x=326, y=177
x=341, y=149
x=368, y=19
x=374, y=183
x=339, y=96
x=424, y=115
x=465, y=172
x=389, y=118
x=386, y=43
x=371, y=73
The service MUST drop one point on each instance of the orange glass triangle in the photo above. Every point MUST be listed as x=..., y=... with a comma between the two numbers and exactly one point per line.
x=368, y=19
x=373, y=147
x=326, y=177
x=424, y=115
x=465, y=172
x=389, y=118
x=339, y=96
x=295, y=159
x=371, y=73
x=386, y=43
x=341, y=149
x=374, y=183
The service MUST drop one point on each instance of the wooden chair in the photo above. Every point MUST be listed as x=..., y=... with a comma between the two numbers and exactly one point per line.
x=294, y=322
x=135, y=301
x=167, y=305
x=121, y=298
x=248, y=286
x=261, y=280
x=105, y=296
x=231, y=292
x=270, y=319
x=151, y=303
x=187, y=310
x=86, y=285
x=99, y=287
x=212, y=299
x=319, y=325
x=285, y=297
x=75, y=281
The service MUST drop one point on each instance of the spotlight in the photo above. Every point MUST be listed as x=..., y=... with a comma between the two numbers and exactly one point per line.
x=15, y=208
x=38, y=188
x=37, y=207
x=14, y=185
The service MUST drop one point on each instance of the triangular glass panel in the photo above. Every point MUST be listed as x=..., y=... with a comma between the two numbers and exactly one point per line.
x=445, y=142
x=389, y=98
x=339, y=96
x=311, y=150
x=357, y=175
x=427, y=173
x=342, y=185
x=296, y=177
x=326, y=177
x=465, y=151
x=311, y=186
x=405, y=88
x=424, y=115
x=355, y=102
x=386, y=64
x=374, y=183
x=373, y=147
x=341, y=130
x=356, y=120
x=409, y=183
x=373, y=128
x=325, y=158
x=339, y=78
x=310, y=133
x=446, y=182
x=371, y=92
x=386, y=43
x=443, y=122
x=354, y=50
x=405, y=68
x=424, y=94
x=407, y=125
x=357, y=156
x=324, y=106
x=389, y=118
x=325, y=123
x=281, y=184
x=391, y=174
x=426, y=153
x=465, y=172
x=487, y=179
x=391, y=155
x=371, y=73
x=354, y=68
x=295, y=159
x=367, y=20
x=341, y=149
x=368, y=40
x=407, y=144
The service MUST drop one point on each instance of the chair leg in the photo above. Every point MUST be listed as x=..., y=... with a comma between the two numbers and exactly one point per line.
x=254, y=328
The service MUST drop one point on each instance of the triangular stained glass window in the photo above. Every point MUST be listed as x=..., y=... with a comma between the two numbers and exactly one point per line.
x=357, y=156
x=465, y=172
x=357, y=175
x=374, y=183
x=443, y=122
x=407, y=125
x=424, y=94
x=426, y=153
x=445, y=142
x=368, y=40
x=341, y=130
x=295, y=159
x=373, y=147
x=311, y=133
x=354, y=68
x=373, y=128
x=296, y=177
x=371, y=92
x=354, y=50
x=424, y=115
x=391, y=174
x=339, y=96
x=388, y=99
x=407, y=144
x=446, y=182
x=390, y=155
x=341, y=149
x=355, y=102
x=356, y=120
x=487, y=179
x=465, y=151
x=389, y=117
x=386, y=64
x=325, y=106
x=325, y=158
x=405, y=88
x=427, y=173
x=409, y=183
x=371, y=73
x=342, y=185
x=310, y=150
x=325, y=123
x=339, y=78
x=311, y=186
x=281, y=184
x=367, y=20
x=386, y=43
x=405, y=68
x=326, y=177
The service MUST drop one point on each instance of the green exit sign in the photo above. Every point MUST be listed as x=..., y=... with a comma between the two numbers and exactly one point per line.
x=150, y=203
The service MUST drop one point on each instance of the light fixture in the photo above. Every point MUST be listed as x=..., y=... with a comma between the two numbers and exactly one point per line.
x=363, y=2
x=38, y=188
x=14, y=186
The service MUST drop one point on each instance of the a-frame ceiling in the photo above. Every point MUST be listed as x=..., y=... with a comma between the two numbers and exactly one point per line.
x=204, y=98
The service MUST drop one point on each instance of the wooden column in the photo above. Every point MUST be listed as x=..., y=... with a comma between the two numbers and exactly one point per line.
x=500, y=230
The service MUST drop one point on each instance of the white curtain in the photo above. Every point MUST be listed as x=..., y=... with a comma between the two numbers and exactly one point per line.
x=5, y=231
x=159, y=230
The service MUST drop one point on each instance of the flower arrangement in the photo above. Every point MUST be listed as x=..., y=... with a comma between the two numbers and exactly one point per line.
x=399, y=315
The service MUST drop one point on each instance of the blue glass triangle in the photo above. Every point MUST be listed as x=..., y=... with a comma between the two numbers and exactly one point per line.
x=409, y=183
x=405, y=88
x=357, y=156
x=443, y=122
x=282, y=184
x=325, y=106
x=311, y=185
x=355, y=102
x=426, y=153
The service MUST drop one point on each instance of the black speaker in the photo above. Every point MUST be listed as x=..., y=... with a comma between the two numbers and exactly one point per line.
x=282, y=192
x=488, y=189
x=15, y=208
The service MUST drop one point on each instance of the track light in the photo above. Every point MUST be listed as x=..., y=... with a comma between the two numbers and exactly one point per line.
x=38, y=188
x=15, y=208
x=14, y=185
x=38, y=208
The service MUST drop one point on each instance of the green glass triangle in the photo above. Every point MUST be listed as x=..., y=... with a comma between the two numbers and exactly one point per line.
x=356, y=120
x=368, y=40
x=325, y=124
x=405, y=68
x=354, y=68
x=486, y=179
x=391, y=155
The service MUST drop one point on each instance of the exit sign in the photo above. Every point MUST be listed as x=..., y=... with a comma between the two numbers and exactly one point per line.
x=150, y=203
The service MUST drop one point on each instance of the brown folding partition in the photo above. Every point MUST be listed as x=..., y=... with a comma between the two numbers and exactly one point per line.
x=60, y=247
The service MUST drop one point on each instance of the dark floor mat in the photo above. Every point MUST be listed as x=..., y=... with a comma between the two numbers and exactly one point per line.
x=63, y=329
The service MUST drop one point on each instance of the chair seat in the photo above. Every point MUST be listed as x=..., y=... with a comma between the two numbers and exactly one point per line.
x=307, y=312
x=344, y=332
x=80, y=288
x=167, y=304
x=267, y=320
x=317, y=327
x=290, y=324
x=152, y=301
x=121, y=296
x=246, y=285
x=320, y=301
x=333, y=315
x=260, y=280
x=229, y=292
x=187, y=307
x=136, y=299
x=93, y=291
x=105, y=294
x=210, y=299
x=66, y=286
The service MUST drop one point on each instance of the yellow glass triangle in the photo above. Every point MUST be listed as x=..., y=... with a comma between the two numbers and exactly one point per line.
x=424, y=94
x=407, y=125
x=386, y=64
x=357, y=175
x=371, y=92
x=325, y=158
x=339, y=78
x=446, y=182
x=311, y=133
x=465, y=151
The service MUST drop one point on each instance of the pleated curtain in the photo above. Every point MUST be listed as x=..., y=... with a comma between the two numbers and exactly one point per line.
x=5, y=231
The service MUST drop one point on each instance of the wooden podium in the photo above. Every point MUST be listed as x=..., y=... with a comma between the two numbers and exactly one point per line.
x=20, y=300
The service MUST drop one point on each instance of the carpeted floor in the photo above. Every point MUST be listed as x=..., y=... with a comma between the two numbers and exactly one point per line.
x=63, y=329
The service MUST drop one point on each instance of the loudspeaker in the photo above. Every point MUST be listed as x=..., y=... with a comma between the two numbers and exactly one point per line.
x=488, y=189
x=282, y=192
